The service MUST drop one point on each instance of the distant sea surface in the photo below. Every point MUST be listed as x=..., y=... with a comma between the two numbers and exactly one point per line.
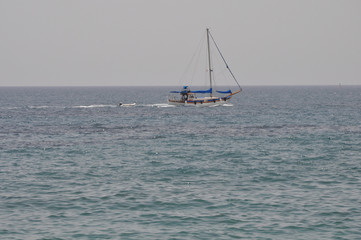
x=275, y=163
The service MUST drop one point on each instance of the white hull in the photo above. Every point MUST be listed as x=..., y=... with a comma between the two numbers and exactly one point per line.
x=198, y=103
x=208, y=104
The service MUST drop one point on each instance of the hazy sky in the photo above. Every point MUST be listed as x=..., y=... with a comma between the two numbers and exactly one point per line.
x=150, y=42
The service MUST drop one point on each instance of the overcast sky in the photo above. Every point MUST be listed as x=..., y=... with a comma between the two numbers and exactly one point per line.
x=150, y=42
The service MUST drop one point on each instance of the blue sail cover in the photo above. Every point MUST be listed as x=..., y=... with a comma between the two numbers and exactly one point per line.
x=225, y=92
x=198, y=91
x=203, y=91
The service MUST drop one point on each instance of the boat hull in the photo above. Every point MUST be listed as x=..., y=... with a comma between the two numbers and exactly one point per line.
x=200, y=102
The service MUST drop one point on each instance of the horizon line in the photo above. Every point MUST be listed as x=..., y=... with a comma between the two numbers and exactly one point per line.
x=274, y=85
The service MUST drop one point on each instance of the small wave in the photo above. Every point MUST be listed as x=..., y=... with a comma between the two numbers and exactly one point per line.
x=10, y=108
x=93, y=106
x=45, y=107
x=42, y=107
x=227, y=105
x=160, y=105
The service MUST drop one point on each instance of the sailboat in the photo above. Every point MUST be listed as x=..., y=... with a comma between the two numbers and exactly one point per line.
x=209, y=97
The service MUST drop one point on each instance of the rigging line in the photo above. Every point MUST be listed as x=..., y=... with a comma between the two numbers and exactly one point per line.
x=224, y=60
x=193, y=60
x=196, y=61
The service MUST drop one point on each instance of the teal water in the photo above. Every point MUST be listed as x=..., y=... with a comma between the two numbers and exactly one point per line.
x=277, y=163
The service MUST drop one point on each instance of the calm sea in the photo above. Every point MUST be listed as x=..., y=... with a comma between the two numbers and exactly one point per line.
x=277, y=163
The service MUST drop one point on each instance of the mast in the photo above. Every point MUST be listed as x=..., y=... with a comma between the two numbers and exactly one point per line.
x=209, y=63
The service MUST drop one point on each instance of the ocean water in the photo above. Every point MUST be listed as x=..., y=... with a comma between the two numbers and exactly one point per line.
x=276, y=163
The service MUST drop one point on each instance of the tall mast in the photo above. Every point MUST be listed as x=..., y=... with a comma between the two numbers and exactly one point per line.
x=209, y=62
